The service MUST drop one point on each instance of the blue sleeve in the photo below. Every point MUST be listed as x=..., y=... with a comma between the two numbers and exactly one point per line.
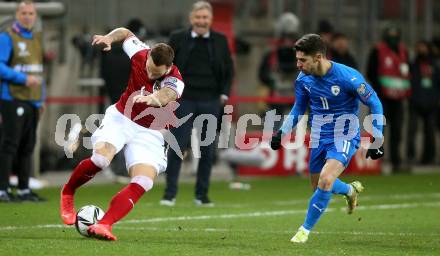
x=366, y=94
x=299, y=108
x=7, y=73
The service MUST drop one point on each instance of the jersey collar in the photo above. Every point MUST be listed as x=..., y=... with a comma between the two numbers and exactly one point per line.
x=21, y=30
x=330, y=70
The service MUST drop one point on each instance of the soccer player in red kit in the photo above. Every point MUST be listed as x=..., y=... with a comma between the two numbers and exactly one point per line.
x=154, y=82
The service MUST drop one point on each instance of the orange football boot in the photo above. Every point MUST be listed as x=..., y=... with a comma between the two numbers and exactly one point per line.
x=67, y=209
x=101, y=231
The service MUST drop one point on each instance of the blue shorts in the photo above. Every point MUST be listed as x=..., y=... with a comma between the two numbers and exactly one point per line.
x=342, y=151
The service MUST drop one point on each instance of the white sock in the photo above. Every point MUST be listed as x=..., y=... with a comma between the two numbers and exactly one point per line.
x=21, y=192
x=350, y=191
x=305, y=230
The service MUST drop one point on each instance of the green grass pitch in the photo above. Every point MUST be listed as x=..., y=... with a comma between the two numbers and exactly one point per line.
x=397, y=215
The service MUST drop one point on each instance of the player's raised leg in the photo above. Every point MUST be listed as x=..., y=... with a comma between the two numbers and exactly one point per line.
x=339, y=187
x=356, y=188
x=123, y=202
x=352, y=190
x=349, y=191
x=320, y=199
x=102, y=155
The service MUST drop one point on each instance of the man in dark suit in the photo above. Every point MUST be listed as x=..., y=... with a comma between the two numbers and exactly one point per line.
x=203, y=57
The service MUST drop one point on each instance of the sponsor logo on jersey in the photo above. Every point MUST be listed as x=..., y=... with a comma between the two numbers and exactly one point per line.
x=307, y=87
x=170, y=81
x=170, y=84
x=336, y=90
x=363, y=91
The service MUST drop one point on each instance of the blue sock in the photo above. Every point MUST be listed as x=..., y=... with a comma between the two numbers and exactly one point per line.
x=340, y=187
x=317, y=205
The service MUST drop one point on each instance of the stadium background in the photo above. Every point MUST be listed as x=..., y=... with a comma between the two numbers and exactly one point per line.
x=75, y=87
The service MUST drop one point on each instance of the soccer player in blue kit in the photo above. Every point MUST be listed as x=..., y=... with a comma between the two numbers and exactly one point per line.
x=333, y=91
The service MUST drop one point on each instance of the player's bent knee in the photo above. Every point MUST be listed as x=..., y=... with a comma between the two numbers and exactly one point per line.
x=144, y=181
x=100, y=160
x=325, y=182
x=106, y=149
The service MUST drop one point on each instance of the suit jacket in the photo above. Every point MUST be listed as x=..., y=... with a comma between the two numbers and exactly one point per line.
x=220, y=56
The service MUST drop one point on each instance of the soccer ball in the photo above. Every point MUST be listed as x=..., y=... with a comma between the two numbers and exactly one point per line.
x=87, y=216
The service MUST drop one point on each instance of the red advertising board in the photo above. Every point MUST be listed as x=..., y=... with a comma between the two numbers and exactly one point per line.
x=293, y=159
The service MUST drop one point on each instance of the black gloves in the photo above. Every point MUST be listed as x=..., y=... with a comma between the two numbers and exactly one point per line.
x=275, y=143
x=375, y=153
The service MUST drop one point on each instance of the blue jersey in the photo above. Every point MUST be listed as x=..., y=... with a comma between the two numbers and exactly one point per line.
x=330, y=97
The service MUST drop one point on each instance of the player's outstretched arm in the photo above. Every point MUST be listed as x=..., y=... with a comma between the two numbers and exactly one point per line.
x=376, y=149
x=373, y=102
x=158, y=99
x=369, y=97
x=117, y=35
x=289, y=123
x=292, y=119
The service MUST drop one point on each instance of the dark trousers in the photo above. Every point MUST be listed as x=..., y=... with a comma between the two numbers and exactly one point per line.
x=20, y=121
x=394, y=114
x=183, y=136
x=428, y=116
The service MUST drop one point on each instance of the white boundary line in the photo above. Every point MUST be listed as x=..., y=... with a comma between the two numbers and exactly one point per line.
x=278, y=213
x=369, y=198
x=234, y=216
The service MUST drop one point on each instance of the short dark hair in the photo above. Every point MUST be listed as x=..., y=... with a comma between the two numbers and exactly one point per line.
x=311, y=44
x=162, y=54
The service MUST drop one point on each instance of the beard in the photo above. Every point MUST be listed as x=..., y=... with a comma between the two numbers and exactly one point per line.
x=307, y=72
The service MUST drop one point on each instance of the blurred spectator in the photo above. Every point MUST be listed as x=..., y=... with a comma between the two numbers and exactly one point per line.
x=278, y=70
x=325, y=30
x=388, y=72
x=116, y=75
x=22, y=99
x=83, y=43
x=423, y=103
x=339, y=51
x=436, y=77
x=203, y=57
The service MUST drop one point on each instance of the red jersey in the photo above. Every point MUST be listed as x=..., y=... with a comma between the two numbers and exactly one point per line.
x=139, y=82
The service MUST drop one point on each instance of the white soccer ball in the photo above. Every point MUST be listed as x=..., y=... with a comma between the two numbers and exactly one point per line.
x=86, y=216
